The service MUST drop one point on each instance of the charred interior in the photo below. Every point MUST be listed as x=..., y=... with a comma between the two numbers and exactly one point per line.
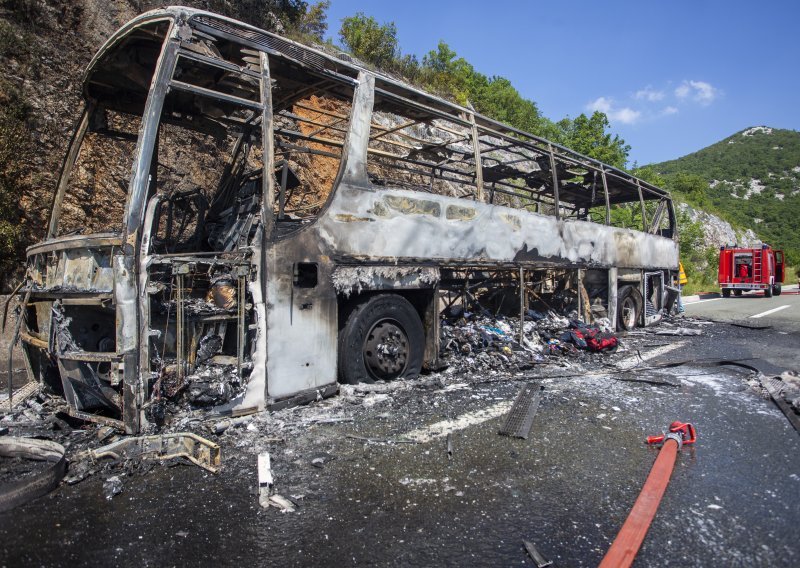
x=270, y=199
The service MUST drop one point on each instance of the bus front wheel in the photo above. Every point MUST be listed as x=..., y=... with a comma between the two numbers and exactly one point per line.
x=382, y=339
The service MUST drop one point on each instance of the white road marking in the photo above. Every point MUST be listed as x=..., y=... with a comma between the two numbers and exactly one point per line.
x=634, y=360
x=445, y=427
x=772, y=311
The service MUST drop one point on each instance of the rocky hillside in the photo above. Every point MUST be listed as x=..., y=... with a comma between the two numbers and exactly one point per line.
x=716, y=231
x=751, y=179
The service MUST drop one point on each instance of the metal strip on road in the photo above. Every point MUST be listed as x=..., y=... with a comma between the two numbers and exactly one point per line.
x=768, y=312
x=520, y=419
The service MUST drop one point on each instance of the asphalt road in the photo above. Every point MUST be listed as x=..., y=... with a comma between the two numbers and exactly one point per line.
x=751, y=308
x=732, y=501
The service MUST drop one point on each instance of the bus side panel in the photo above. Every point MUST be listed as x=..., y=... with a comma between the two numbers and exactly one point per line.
x=406, y=225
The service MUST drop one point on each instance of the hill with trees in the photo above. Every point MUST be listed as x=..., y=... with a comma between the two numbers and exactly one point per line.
x=751, y=179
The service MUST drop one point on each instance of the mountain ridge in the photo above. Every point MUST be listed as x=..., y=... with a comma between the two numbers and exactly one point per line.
x=750, y=179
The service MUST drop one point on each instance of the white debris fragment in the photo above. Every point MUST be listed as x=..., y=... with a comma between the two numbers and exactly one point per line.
x=112, y=486
x=282, y=503
x=679, y=331
x=265, y=479
x=373, y=399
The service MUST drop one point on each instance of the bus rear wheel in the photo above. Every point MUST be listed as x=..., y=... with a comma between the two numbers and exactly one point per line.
x=776, y=290
x=768, y=292
x=737, y=292
x=726, y=292
x=629, y=307
x=383, y=339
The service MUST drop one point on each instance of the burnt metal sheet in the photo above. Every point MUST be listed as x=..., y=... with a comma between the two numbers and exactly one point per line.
x=494, y=234
x=520, y=418
x=196, y=449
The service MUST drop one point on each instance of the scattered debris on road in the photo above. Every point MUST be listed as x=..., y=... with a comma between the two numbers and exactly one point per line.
x=27, y=484
x=784, y=390
x=536, y=556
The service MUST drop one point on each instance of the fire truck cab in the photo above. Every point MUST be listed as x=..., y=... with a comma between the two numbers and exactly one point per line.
x=750, y=269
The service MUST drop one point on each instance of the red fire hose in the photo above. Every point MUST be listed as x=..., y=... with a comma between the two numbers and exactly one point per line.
x=624, y=548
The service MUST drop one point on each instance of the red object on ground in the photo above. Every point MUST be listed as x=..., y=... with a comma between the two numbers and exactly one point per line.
x=624, y=548
x=686, y=430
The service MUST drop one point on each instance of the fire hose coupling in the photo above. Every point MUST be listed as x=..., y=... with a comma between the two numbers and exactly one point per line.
x=681, y=432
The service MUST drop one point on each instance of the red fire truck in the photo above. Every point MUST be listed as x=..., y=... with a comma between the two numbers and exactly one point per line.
x=750, y=269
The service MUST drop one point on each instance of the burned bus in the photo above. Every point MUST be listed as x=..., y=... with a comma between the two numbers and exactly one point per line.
x=252, y=221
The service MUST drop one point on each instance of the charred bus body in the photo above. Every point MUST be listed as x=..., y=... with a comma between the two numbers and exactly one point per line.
x=287, y=218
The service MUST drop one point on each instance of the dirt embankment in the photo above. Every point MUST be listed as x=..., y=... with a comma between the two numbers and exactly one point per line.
x=44, y=47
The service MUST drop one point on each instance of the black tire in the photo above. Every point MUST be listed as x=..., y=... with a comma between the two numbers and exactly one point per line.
x=776, y=290
x=383, y=339
x=768, y=292
x=737, y=292
x=726, y=292
x=629, y=307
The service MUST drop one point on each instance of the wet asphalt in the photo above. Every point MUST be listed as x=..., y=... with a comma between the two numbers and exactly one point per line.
x=734, y=498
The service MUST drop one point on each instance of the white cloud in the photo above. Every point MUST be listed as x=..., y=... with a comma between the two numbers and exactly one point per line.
x=699, y=91
x=602, y=104
x=668, y=110
x=625, y=115
x=682, y=91
x=649, y=94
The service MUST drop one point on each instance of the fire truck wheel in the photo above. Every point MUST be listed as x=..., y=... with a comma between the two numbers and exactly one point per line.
x=726, y=292
x=383, y=339
x=776, y=290
x=737, y=292
x=768, y=292
x=629, y=307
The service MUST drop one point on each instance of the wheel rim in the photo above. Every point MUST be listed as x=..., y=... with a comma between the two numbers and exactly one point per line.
x=386, y=350
x=628, y=309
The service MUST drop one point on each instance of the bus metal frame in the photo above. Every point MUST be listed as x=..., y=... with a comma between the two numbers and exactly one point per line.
x=523, y=214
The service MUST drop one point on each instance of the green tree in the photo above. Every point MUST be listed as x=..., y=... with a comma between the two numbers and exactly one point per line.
x=368, y=40
x=691, y=186
x=650, y=175
x=446, y=74
x=498, y=99
x=588, y=136
x=314, y=22
x=451, y=76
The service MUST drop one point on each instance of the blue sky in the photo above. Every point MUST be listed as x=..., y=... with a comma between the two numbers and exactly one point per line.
x=673, y=76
